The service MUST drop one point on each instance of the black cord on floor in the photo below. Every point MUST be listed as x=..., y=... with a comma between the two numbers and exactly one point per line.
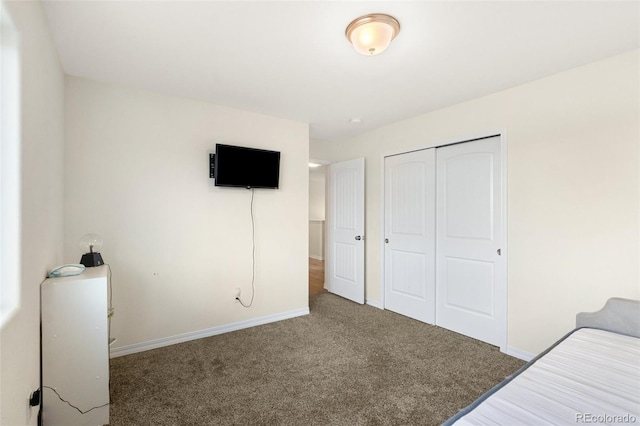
x=71, y=405
x=253, y=255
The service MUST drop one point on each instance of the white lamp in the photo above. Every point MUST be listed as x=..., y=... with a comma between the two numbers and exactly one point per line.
x=371, y=34
x=91, y=244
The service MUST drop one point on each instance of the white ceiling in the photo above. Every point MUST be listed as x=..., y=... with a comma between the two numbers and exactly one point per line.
x=291, y=59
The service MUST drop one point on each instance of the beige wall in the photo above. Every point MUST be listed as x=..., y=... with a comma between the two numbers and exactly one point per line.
x=319, y=150
x=316, y=213
x=136, y=172
x=573, y=190
x=42, y=98
x=316, y=194
x=316, y=239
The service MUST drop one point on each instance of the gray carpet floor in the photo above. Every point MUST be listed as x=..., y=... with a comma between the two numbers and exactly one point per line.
x=344, y=364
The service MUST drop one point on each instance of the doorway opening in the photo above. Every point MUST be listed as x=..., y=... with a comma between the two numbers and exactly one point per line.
x=316, y=277
x=316, y=227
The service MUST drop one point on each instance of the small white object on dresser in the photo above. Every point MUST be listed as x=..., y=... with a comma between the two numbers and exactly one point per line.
x=75, y=349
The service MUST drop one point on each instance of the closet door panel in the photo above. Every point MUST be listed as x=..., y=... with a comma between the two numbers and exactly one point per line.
x=410, y=234
x=470, y=288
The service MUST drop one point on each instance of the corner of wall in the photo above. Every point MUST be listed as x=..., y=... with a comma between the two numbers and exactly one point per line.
x=41, y=217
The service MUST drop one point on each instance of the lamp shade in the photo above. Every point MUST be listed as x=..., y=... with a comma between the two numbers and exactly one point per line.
x=371, y=34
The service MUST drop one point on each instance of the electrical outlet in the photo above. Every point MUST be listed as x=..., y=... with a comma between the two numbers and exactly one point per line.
x=237, y=295
x=35, y=398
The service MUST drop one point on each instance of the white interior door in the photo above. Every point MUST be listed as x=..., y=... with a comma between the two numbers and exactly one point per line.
x=470, y=281
x=409, y=250
x=344, y=268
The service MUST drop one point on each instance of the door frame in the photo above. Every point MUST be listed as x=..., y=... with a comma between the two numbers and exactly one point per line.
x=502, y=134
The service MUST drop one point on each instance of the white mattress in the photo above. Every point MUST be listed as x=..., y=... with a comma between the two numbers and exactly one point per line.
x=592, y=377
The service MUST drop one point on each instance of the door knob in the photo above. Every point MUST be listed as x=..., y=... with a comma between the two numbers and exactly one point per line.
x=386, y=241
x=358, y=237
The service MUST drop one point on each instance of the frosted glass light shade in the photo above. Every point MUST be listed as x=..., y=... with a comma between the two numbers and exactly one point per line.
x=90, y=243
x=371, y=34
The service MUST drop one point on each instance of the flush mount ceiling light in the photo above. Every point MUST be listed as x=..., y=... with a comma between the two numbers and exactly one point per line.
x=372, y=34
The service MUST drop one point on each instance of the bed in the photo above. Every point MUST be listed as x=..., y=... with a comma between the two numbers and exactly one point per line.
x=590, y=376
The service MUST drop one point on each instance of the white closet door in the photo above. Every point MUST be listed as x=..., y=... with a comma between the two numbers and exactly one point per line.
x=410, y=234
x=470, y=286
x=344, y=272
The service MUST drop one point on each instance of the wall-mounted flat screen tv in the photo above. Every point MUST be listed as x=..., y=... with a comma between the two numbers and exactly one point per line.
x=246, y=167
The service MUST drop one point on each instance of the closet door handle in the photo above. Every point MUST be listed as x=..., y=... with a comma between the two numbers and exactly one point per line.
x=358, y=237
x=386, y=241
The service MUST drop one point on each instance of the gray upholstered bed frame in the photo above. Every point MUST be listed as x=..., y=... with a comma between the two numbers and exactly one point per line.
x=618, y=315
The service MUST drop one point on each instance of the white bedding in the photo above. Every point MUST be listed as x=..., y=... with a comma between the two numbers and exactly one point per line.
x=592, y=377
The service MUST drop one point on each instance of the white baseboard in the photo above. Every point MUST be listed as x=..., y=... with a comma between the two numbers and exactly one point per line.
x=374, y=303
x=313, y=256
x=525, y=356
x=172, y=340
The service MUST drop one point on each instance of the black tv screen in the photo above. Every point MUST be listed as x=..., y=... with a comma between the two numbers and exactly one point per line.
x=246, y=167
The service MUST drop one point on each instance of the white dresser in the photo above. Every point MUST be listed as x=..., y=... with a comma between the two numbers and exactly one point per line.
x=75, y=348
